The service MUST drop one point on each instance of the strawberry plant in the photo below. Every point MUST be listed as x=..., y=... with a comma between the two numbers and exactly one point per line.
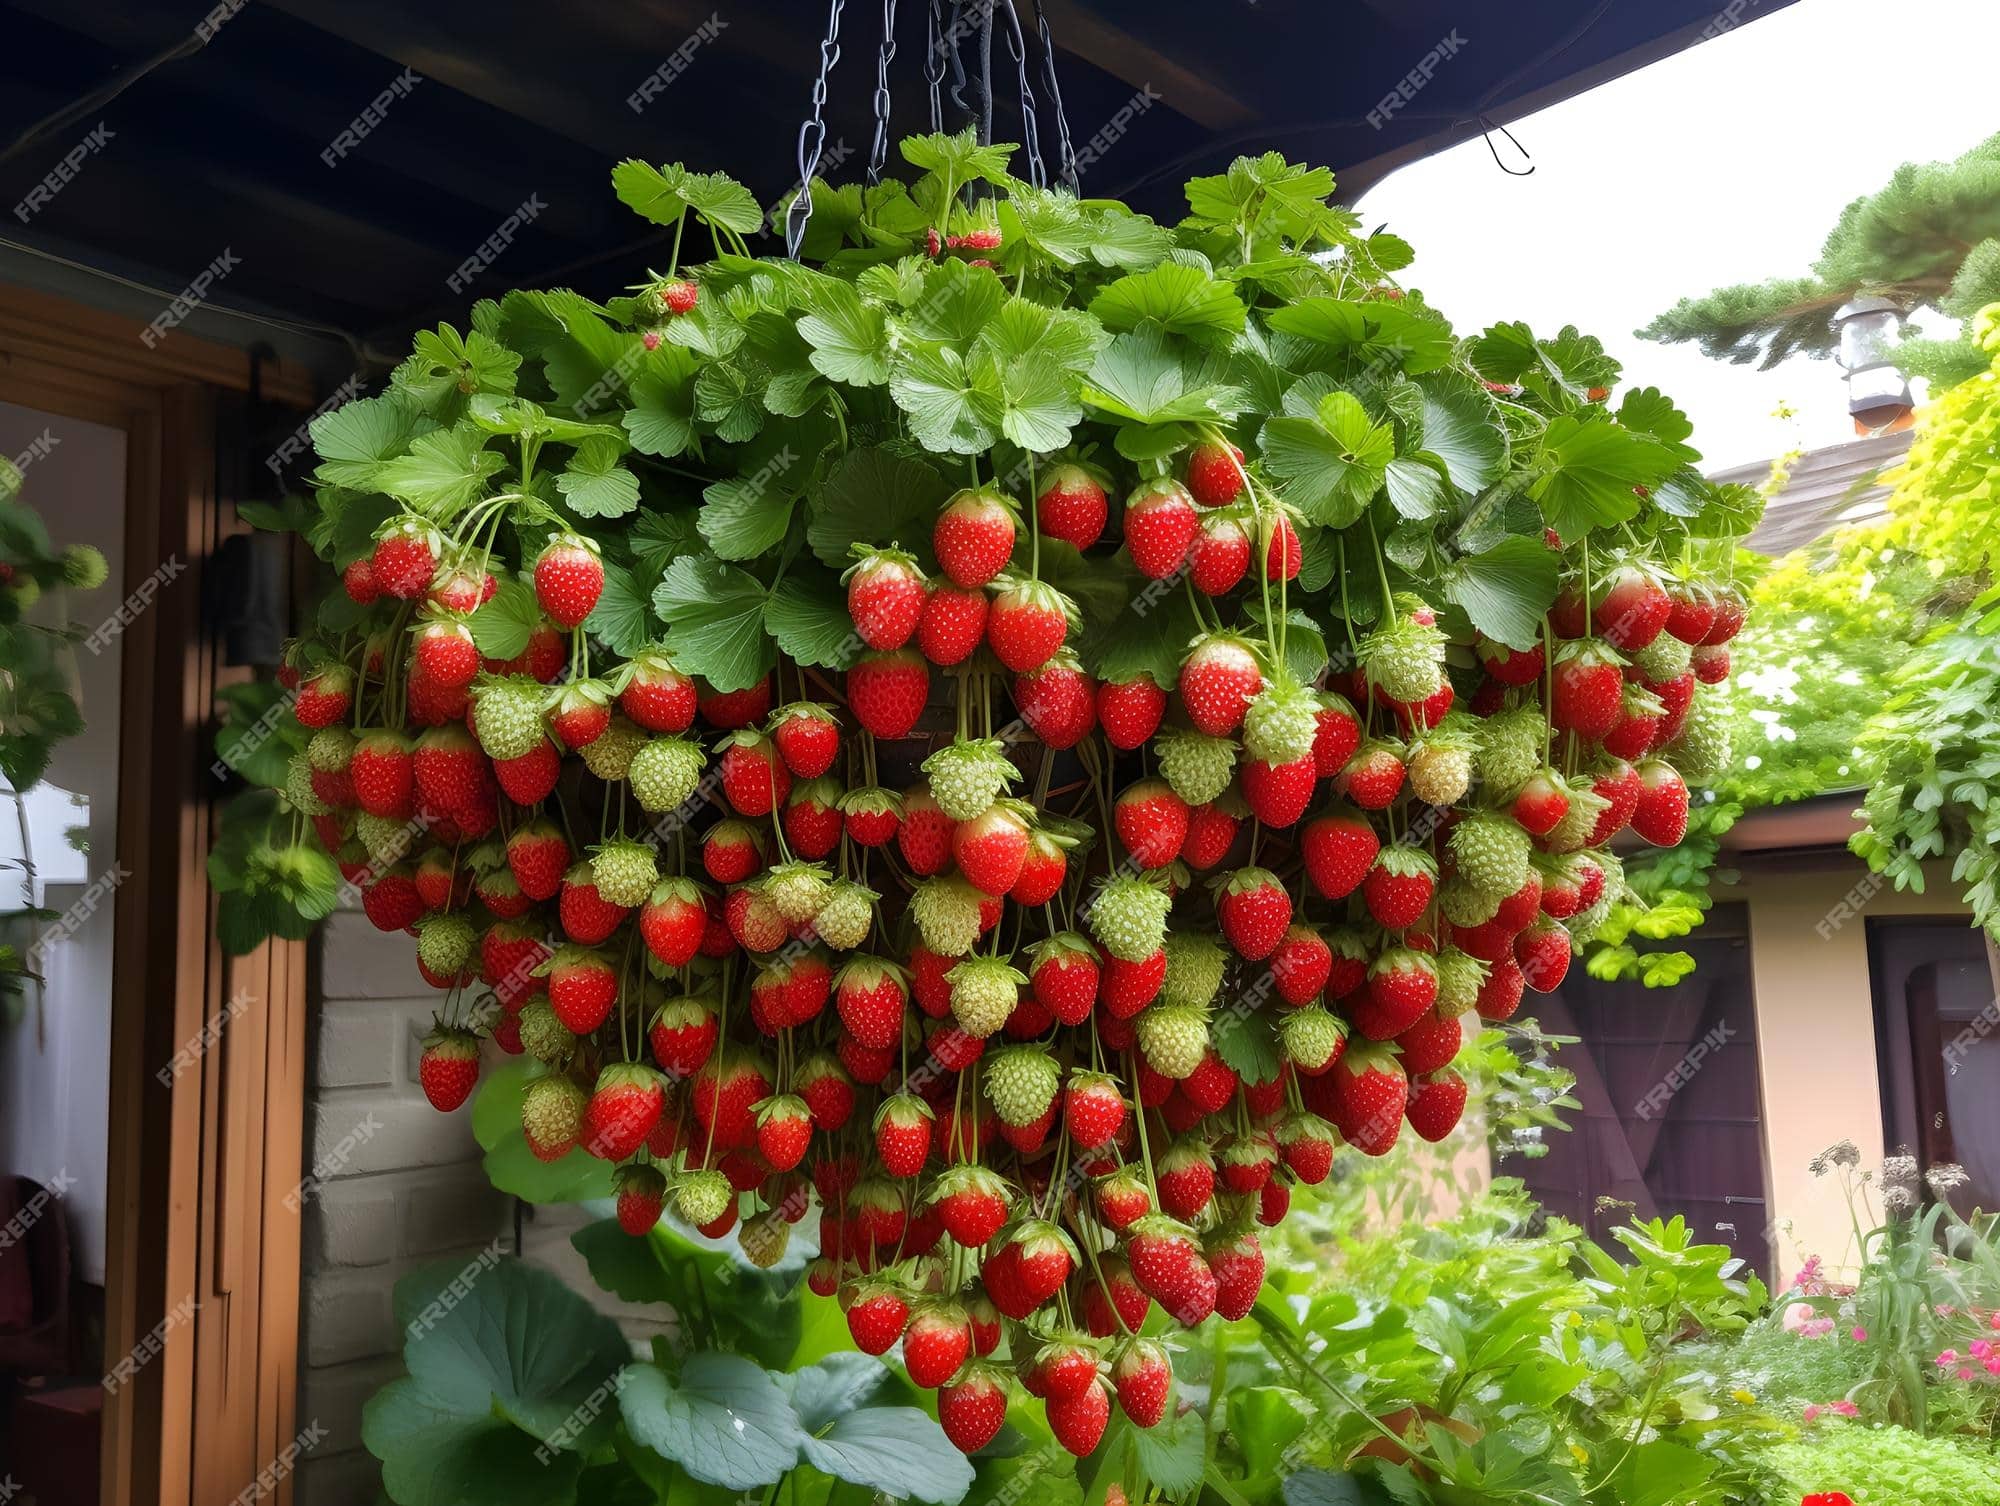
x=1021, y=731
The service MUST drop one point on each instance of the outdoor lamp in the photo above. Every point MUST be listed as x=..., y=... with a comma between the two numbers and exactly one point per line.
x=1878, y=396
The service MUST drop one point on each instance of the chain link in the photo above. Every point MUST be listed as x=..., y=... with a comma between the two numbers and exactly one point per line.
x=1030, y=131
x=1065, y=153
x=934, y=62
x=812, y=135
x=879, y=152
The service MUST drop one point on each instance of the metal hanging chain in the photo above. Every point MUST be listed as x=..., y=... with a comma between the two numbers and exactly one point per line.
x=879, y=152
x=952, y=36
x=1065, y=153
x=934, y=61
x=1030, y=131
x=812, y=136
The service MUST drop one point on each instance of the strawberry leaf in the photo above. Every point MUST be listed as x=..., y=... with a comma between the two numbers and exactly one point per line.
x=715, y=621
x=595, y=484
x=1506, y=589
x=1182, y=300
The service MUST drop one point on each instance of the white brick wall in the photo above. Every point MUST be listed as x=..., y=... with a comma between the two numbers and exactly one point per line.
x=400, y=1185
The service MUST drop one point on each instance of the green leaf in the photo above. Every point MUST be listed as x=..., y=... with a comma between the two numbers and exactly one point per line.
x=661, y=418
x=835, y=1386
x=958, y=301
x=874, y=496
x=442, y=474
x=622, y=620
x=728, y=395
x=1506, y=590
x=849, y=338
x=761, y=1313
x=1060, y=336
x=357, y=437
x=1180, y=299
x=715, y=621
x=1589, y=467
x=1417, y=488
x=1460, y=430
x=1150, y=637
x=658, y=538
x=664, y=194
x=744, y=517
x=1038, y=403
x=434, y=1455
x=952, y=408
x=503, y=623
x=958, y=156
x=1143, y=378
x=509, y=1165
x=1385, y=333
x=723, y=1419
x=807, y=614
x=1173, y=1453
x=1333, y=463
x=896, y=1450
x=595, y=484
x=1647, y=410
x=1323, y=1487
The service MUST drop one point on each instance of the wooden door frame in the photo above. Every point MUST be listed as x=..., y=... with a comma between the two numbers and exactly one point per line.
x=198, y=1163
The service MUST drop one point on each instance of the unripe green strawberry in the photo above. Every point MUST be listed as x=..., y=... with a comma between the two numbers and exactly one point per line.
x=1404, y=659
x=445, y=942
x=507, y=715
x=967, y=777
x=664, y=772
x=330, y=749
x=1279, y=725
x=626, y=872
x=609, y=755
x=797, y=889
x=1665, y=658
x=1195, y=962
x=1702, y=750
x=1312, y=1038
x=703, y=1196
x=764, y=1238
x=1464, y=905
x=1512, y=746
x=386, y=839
x=299, y=788
x=1197, y=767
x=1440, y=761
x=984, y=991
x=543, y=1036
x=1579, y=821
x=946, y=911
x=848, y=915
x=552, y=1116
x=1129, y=917
x=1491, y=853
x=1174, y=1038
x=1021, y=1082
x=1460, y=976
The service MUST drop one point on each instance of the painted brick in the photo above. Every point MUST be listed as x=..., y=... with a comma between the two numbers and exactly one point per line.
x=352, y=1224
x=338, y=1479
x=357, y=1045
x=333, y=1397
x=359, y=962
x=356, y=1134
x=451, y=1212
x=349, y=1315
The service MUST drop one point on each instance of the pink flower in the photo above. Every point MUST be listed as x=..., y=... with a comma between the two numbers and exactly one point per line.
x=1859, y=1335
x=1993, y=1365
x=1846, y=1409
x=1816, y=1328
x=1812, y=1412
x=1979, y=1349
x=1994, y=1320
x=1964, y=1374
x=1948, y=1358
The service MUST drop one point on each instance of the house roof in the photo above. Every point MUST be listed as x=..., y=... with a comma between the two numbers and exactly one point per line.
x=1826, y=488
x=226, y=140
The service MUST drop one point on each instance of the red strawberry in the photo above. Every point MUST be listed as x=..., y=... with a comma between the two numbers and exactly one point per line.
x=1339, y=849
x=1165, y=1262
x=1373, y=777
x=569, y=578
x=642, y=1198
x=358, y=580
x=448, y=1066
x=1543, y=953
x=1661, y=816
x=1369, y=1094
x=733, y=710
x=392, y=902
x=1336, y=735
x=683, y=1035
x=784, y=1130
x=1078, y=1420
x=1057, y=701
x=812, y=819
x=623, y=1108
x=384, y=775
x=1589, y=690
x=885, y=597
x=1618, y=782
x=877, y=1318
x=1143, y=1377
x=903, y=1134
x=726, y=1093
x=971, y=1203
x=1027, y=624
x=1398, y=888
x=1432, y=1042
x=1072, y=506
x=1254, y=912
x=405, y=558
x=1211, y=833
x=325, y=698
x=1093, y=1108
x=1641, y=722
x=731, y=852
x=828, y=1092
x=807, y=738
x=1160, y=526
x=871, y=996
x=1130, y=711
x=1128, y=987
x=972, y=1408
x=1121, y=1199
x=1042, y=871
x=887, y=692
x=925, y=837
x=1511, y=666
x=1632, y=610
x=1711, y=663
x=1301, y=964
x=1402, y=986
x=872, y=816
x=1676, y=697
x=445, y=653
x=586, y=916
x=1215, y=474
x=991, y=848
x=1278, y=794
x=656, y=695
x=1152, y=822
x=1238, y=1265
x=1307, y=1144
x=1064, y=974
x=754, y=779
x=1437, y=1103
x=448, y=770
x=1284, y=556
x=582, y=987
x=952, y=624
x=1218, y=680
x=974, y=537
x=1220, y=555
x=1541, y=803
x=936, y=1344
x=1185, y=1176
x=531, y=778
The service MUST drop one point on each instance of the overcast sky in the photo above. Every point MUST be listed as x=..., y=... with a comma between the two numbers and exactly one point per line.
x=1726, y=163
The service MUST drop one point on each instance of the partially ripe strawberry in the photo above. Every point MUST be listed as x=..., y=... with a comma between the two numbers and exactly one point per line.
x=1072, y=506
x=1541, y=803
x=1661, y=815
x=1543, y=954
x=1283, y=555
x=1027, y=624
x=1589, y=690
x=1215, y=474
x=1152, y=822
x=1220, y=556
x=807, y=737
x=654, y=694
x=448, y=1066
x=1218, y=680
x=1160, y=527
x=974, y=537
x=325, y=698
x=569, y=578
x=885, y=597
x=1632, y=610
